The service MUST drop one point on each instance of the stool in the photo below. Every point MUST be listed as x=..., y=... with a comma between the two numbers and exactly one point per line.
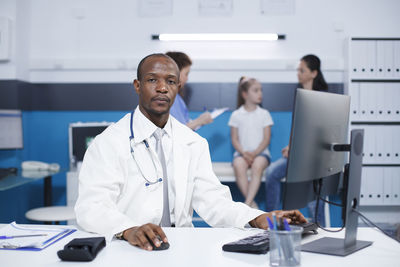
x=51, y=214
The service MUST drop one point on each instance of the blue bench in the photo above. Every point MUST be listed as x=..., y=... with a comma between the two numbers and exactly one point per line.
x=221, y=149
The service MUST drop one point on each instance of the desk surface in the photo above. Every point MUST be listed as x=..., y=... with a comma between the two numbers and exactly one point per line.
x=202, y=247
x=23, y=177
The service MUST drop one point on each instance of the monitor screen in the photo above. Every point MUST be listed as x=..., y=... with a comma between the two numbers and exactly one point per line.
x=11, y=129
x=81, y=135
x=319, y=120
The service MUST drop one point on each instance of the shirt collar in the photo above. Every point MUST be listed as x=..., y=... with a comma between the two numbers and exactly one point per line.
x=143, y=128
x=243, y=110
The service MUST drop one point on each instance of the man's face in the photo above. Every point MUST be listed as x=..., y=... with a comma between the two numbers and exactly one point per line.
x=158, y=86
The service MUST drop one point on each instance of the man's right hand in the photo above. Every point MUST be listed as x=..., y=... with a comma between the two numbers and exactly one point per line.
x=137, y=236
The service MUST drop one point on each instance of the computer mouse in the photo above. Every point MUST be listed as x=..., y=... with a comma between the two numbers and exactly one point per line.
x=163, y=245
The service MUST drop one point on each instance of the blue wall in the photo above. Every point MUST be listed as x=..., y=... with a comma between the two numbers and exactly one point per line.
x=46, y=139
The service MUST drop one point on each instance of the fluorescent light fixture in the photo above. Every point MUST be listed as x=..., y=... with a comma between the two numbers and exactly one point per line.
x=218, y=37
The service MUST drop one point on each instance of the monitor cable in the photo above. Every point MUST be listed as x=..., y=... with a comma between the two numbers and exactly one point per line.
x=316, y=210
x=368, y=222
x=365, y=219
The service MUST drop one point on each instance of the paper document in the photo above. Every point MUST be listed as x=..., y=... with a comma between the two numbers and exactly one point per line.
x=218, y=111
x=215, y=113
x=14, y=236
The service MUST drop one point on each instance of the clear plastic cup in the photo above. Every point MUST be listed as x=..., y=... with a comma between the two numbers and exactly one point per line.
x=285, y=247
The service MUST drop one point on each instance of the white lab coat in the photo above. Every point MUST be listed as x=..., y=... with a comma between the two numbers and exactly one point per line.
x=112, y=192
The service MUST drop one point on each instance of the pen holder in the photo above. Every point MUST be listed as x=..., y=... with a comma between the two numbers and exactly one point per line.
x=285, y=247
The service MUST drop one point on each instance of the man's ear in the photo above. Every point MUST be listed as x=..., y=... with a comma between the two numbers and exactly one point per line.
x=136, y=84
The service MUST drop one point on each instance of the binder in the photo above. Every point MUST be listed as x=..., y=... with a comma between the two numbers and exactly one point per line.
x=396, y=186
x=390, y=89
x=380, y=101
x=388, y=151
x=377, y=185
x=370, y=183
x=363, y=187
x=372, y=93
x=380, y=136
x=356, y=52
x=380, y=58
x=388, y=52
x=370, y=70
x=363, y=103
x=396, y=59
x=396, y=101
x=387, y=186
x=354, y=92
x=371, y=145
x=396, y=143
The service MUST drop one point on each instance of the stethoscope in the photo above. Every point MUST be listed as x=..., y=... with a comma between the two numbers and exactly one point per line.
x=131, y=141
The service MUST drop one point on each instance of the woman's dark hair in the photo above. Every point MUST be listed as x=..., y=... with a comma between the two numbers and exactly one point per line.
x=314, y=63
x=181, y=59
x=244, y=85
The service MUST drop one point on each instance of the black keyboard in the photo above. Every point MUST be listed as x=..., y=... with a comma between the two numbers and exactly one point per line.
x=4, y=172
x=259, y=243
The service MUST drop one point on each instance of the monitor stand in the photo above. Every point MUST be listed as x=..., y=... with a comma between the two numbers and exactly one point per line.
x=351, y=186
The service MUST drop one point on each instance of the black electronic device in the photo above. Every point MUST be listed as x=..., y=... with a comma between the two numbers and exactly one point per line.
x=4, y=172
x=259, y=243
x=317, y=164
x=163, y=245
x=82, y=249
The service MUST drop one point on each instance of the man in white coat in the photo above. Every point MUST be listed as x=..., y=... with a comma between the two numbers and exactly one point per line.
x=129, y=189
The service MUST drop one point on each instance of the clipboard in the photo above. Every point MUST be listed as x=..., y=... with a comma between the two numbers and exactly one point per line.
x=34, y=243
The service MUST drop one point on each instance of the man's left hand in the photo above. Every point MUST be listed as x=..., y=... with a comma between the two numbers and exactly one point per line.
x=292, y=216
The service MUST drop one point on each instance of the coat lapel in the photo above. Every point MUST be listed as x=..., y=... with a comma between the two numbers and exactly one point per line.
x=182, y=137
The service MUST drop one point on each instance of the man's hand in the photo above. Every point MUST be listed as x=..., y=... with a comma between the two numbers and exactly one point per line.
x=292, y=216
x=140, y=236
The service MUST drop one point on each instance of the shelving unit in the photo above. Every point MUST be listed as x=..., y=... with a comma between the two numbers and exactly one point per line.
x=373, y=83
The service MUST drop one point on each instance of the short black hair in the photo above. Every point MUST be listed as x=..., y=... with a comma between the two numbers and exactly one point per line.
x=139, y=68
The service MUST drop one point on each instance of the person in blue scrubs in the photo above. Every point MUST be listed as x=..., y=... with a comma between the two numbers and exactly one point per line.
x=179, y=109
x=310, y=77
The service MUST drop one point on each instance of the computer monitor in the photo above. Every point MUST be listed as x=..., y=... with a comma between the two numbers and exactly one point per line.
x=81, y=134
x=11, y=129
x=317, y=163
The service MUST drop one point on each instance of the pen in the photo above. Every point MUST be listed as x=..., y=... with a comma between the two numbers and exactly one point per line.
x=275, y=222
x=286, y=224
x=17, y=236
x=270, y=224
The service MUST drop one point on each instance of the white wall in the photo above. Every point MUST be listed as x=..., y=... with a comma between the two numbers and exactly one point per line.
x=93, y=40
x=8, y=68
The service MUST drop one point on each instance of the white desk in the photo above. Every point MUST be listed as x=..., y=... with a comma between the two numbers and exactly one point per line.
x=202, y=247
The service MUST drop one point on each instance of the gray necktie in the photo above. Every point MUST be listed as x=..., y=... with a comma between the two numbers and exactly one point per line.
x=165, y=220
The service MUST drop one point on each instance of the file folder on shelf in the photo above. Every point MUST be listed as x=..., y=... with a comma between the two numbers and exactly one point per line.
x=388, y=52
x=396, y=59
x=370, y=70
x=387, y=186
x=357, y=55
x=380, y=58
x=354, y=101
